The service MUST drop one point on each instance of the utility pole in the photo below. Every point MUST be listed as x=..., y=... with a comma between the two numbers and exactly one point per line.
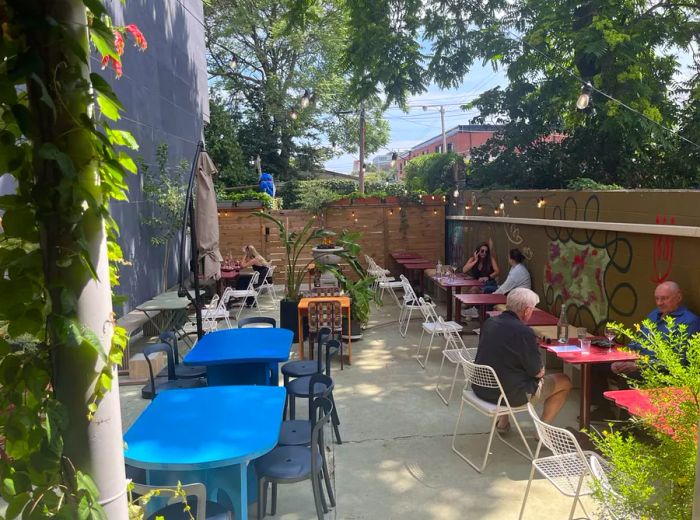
x=361, y=187
x=442, y=122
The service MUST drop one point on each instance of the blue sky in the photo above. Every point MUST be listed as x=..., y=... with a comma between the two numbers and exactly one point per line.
x=409, y=129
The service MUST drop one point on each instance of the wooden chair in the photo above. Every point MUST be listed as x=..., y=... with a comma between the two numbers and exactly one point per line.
x=326, y=313
x=325, y=291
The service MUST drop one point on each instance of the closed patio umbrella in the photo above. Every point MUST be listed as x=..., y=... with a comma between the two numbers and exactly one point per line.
x=207, y=219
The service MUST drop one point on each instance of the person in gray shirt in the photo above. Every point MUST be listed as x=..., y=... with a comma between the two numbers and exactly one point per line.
x=518, y=276
x=510, y=347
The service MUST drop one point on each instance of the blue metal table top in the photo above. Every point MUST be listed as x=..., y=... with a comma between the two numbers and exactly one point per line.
x=253, y=345
x=203, y=428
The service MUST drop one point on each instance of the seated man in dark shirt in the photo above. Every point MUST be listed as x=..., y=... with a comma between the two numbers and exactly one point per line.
x=509, y=346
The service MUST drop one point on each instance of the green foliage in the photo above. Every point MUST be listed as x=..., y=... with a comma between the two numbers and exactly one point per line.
x=294, y=244
x=583, y=184
x=304, y=194
x=276, y=62
x=314, y=200
x=240, y=196
x=653, y=475
x=221, y=136
x=68, y=166
x=435, y=172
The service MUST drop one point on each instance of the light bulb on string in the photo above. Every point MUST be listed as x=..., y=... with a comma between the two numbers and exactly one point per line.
x=455, y=193
x=478, y=207
x=293, y=114
x=305, y=99
x=585, y=97
x=516, y=200
x=501, y=205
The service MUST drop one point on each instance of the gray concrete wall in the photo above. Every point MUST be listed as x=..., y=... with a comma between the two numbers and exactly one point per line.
x=164, y=92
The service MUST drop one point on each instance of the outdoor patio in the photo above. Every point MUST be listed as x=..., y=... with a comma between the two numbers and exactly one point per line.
x=396, y=460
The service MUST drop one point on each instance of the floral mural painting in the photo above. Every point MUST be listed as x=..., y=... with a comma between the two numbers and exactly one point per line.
x=575, y=273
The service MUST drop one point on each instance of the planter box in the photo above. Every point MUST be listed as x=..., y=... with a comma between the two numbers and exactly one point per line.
x=249, y=204
x=367, y=200
x=340, y=202
x=225, y=204
x=432, y=199
x=391, y=199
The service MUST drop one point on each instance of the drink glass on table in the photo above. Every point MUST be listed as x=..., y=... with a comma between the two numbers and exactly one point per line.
x=581, y=333
x=610, y=334
x=585, y=346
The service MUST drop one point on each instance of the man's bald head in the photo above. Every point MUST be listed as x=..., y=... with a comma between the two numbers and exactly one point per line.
x=668, y=296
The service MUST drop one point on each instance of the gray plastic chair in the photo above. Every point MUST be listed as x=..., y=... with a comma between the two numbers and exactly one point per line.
x=289, y=464
x=181, y=371
x=156, y=385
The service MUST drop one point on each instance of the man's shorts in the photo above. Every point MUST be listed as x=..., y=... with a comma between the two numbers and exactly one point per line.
x=545, y=388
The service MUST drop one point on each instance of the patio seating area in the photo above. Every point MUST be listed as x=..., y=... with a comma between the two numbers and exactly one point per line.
x=396, y=458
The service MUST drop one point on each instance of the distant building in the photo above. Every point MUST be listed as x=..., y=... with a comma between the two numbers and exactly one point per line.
x=460, y=139
x=382, y=162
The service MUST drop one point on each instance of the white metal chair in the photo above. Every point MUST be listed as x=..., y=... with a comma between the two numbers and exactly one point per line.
x=176, y=506
x=410, y=302
x=485, y=376
x=433, y=325
x=388, y=283
x=456, y=352
x=599, y=470
x=568, y=468
x=250, y=292
x=268, y=285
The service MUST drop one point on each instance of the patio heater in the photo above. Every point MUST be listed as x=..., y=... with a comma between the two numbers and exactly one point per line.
x=188, y=219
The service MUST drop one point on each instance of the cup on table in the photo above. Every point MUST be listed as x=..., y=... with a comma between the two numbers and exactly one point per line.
x=585, y=345
x=581, y=333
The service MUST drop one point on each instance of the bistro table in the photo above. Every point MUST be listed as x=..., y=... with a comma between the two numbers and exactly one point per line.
x=403, y=254
x=597, y=355
x=303, y=310
x=420, y=267
x=453, y=285
x=654, y=404
x=173, y=310
x=539, y=318
x=481, y=301
x=207, y=435
x=242, y=356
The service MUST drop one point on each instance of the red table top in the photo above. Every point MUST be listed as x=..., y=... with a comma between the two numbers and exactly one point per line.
x=539, y=317
x=456, y=281
x=412, y=260
x=596, y=355
x=481, y=299
x=404, y=254
x=229, y=273
x=420, y=265
x=659, y=405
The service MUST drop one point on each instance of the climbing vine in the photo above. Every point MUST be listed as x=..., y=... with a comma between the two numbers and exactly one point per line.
x=68, y=161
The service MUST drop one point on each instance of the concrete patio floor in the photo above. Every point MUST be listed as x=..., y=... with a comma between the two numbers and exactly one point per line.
x=396, y=460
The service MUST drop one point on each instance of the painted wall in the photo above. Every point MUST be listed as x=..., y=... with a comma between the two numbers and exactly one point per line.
x=601, y=274
x=164, y=92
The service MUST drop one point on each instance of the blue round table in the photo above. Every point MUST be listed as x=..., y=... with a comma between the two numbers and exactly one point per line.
x=207, y=435
x=242, y=356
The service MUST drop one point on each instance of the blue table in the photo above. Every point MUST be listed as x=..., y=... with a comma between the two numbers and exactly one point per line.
x=207, y=435
x=242, y=356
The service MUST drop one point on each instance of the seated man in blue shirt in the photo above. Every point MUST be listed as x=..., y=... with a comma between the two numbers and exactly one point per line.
x=669, y=302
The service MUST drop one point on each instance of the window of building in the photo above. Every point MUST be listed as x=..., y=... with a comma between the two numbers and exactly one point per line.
x=450, y=147
x=438, y=149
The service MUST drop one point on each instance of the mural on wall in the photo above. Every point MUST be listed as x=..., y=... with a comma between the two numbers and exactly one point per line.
x=662, y=254
x=580, y=264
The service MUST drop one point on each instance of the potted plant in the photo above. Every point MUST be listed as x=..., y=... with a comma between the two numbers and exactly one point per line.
x=360, y=292
x=295, y=270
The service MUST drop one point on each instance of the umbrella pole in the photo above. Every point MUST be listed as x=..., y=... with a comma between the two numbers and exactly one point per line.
x=194, y=254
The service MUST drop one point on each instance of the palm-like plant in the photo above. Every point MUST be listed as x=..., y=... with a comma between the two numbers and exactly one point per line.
x=294, y=243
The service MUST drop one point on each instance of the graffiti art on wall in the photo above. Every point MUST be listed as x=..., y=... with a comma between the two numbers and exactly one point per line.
x=662, y=255
x=575, y=254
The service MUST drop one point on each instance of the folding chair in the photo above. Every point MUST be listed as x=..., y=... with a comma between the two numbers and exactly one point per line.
x=250, y=292
x=268, y=283
x=568, y=469
x=485, y=376
x=456, y=352
x=410, y=302
x=433, y=324
x=388, y=283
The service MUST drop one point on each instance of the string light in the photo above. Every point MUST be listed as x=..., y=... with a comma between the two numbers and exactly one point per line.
x=305, y=99
x=234, y=62
x=391, y=212
x=478, y=207
x=434, y=212
x=355, y=220
x=501, y=205
x=516, y=200
x=540, y=202
x=293, y=114
x=454, y=203
x=467, y=207
x=585, y=96
x=495, y=211
x=394, y=156
x=455, y=193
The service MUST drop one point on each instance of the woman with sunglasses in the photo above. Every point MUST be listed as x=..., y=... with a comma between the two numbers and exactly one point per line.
x=483, y=266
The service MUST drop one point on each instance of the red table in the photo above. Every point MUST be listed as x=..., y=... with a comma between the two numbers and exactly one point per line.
x=403, y=254
x=597, y=355
x=538, y=318
x=420, y=267
x=639, y=402
x=449, y=284
x=480, y=301
x=228, y=277
x=411, y=260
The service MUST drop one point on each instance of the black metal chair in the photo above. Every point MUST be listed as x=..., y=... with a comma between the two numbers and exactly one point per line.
x=289, y=464
x=305, y=367
x=181, y=371
x=257, y=320
x=156, y=385
x=302, y=387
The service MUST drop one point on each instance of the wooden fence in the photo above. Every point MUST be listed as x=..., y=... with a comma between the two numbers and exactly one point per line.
x=384, y=228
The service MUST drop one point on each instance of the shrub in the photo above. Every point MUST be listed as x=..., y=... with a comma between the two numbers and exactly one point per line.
x=246, y=195
x=584, y=183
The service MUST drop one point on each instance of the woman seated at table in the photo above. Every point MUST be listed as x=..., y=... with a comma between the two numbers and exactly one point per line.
x=255, y=261
x=482, y=266
x=518, y=276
